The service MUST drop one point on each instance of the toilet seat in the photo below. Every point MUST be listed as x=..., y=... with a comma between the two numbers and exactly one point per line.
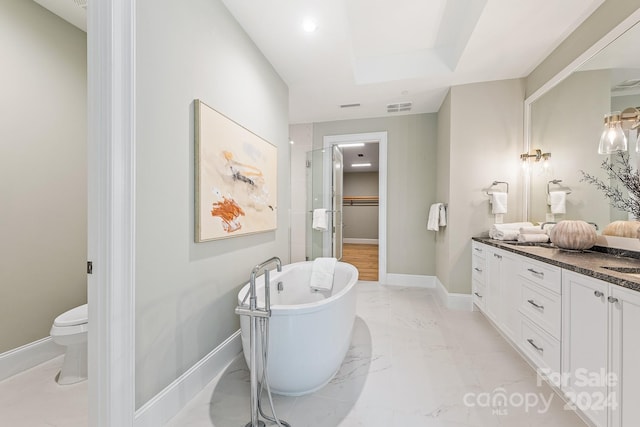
x=73, y=317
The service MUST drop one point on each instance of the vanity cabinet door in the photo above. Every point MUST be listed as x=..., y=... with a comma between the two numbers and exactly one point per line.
x=585, y=344
x=493, y=297
x=625, y=356
x=502, y=290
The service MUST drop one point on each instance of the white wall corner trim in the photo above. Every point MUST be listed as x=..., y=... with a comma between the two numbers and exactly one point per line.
x=111, y=211
x=27, y=356
x=453, y=301
x=166, y=404
x=410, y=280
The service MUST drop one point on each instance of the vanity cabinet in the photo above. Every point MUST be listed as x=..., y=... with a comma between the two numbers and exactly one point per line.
x=478, y=272
x=601, y=349
x=585, y=344
x=499, y=300
x=584, y=333
x=625, y=355
x=540, y=308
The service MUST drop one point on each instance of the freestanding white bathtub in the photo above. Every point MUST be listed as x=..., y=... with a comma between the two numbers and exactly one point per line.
x=309, y=332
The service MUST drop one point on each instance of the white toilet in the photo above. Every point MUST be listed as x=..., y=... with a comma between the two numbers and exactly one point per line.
x=70, y=330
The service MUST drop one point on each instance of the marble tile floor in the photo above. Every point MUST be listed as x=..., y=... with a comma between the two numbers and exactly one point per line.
x=411, y=362
x=33, y=399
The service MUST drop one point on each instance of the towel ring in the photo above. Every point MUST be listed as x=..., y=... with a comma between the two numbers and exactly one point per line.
x=557, y=181
x=496, y=183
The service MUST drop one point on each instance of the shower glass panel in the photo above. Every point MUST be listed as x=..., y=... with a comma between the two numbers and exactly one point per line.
x=324, y=191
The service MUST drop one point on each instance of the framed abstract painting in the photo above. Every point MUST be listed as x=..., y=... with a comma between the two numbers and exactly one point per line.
x=236, y=178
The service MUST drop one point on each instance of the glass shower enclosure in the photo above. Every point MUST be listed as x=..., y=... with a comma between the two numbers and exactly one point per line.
x=324, y=191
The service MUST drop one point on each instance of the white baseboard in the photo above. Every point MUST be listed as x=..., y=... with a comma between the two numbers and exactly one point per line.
x=22, y=358
x=413, y=280
x=452, y=300
x=356, y=241
x=166, y=404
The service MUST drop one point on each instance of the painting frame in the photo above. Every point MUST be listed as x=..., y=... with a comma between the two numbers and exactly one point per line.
x=236, y=178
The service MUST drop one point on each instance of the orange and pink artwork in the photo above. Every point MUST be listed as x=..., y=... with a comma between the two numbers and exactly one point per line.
x=236, y=178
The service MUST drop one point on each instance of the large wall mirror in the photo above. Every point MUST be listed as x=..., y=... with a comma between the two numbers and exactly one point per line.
x=565, y=119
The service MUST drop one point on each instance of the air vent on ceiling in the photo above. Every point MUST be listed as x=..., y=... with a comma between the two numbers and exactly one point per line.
x=349, y=105
x=627, y=84
x=399, y=107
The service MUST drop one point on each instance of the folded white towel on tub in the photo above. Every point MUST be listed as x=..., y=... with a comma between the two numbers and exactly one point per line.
x=320, y=222
x=322, y=274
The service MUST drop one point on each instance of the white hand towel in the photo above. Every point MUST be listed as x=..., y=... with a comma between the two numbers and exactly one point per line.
x=320, y=219
x=532, y=230
x=558, y=202
x=508, y=231
x=443, y=216
x=322, y=273
x=433, y=220
x=499, y=202
x=536, y=238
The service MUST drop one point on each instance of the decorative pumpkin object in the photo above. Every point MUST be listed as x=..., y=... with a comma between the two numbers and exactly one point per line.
x=573, y=235
x=622, y=229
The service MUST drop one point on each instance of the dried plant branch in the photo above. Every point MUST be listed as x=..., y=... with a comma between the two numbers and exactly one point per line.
x=618, y=168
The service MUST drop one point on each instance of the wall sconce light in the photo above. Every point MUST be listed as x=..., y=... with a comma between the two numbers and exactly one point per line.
x=536, y=156
x=616, y=129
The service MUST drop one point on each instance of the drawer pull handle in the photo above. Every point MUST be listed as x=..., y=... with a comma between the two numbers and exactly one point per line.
x=612, y=300
x=497, y=256
x=477, y=249
x=533, y=303
x=539, y=273
x=479, y=270
x=598, y=294
x=540, y=349
x=477, y=294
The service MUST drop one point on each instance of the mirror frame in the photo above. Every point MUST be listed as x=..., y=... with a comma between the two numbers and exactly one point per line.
x=589, y=53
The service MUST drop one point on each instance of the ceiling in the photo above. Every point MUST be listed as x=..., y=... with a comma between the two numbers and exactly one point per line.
x=368, y=153
x=372, y=53
x=379, y=52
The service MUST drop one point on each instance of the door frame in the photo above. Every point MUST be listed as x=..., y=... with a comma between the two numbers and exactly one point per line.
x=381, y=139
x=111, y=212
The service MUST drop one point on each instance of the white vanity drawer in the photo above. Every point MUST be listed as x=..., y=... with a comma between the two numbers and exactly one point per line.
x=478, y=249
x=478, y=268
x=541, y=306
x=540, y=347
x=478, y=293
x=545, y=275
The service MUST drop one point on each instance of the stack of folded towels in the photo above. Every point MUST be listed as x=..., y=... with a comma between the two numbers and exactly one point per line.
x=533, y=234
x=509, y=231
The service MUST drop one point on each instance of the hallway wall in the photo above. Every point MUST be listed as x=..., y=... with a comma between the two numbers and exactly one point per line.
x=185, y=291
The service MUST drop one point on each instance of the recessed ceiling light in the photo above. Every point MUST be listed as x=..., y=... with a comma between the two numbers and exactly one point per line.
x=309, y=25
x=360, y=165
x=353, y=144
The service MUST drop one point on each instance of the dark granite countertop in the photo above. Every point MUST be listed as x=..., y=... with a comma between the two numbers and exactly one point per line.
x=590, y=262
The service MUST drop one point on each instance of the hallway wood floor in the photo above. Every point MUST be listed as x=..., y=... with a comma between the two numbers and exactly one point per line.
x=364, y=258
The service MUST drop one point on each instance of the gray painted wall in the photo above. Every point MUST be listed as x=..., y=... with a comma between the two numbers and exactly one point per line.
x=411, y=184
x=485, y=139
x=43, y=190
x=360, y=222
x=186, y=292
